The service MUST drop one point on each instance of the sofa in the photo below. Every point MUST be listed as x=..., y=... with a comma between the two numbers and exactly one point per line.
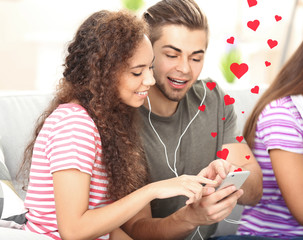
x=19, y=112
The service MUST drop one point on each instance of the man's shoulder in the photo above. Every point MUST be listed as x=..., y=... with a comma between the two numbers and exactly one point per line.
x=207, y=87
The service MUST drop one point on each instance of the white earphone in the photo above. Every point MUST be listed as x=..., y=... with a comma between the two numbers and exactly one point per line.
x=174, y=169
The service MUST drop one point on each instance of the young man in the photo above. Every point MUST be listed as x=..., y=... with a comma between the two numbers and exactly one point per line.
x=177, y=135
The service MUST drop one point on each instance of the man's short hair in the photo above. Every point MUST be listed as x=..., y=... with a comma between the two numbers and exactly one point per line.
x=174, y=12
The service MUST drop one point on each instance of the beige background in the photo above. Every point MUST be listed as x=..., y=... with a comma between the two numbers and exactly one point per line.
x=35, y=33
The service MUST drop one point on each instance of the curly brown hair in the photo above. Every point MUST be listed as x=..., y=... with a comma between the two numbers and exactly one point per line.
x=97, y=55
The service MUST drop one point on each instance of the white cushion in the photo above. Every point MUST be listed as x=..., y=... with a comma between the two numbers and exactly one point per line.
x=12, y=210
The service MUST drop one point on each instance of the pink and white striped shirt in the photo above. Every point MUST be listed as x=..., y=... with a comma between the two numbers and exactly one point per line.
x=69, y=139
x=279, y=126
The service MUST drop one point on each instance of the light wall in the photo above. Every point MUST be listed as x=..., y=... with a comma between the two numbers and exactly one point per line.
x=229, y=18
x=34, y=35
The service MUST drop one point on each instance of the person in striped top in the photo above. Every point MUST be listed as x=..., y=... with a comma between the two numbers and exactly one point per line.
x=87, y=170
x=274, y=130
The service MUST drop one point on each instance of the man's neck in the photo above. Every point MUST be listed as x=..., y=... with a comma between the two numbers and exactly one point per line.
x=160, y=105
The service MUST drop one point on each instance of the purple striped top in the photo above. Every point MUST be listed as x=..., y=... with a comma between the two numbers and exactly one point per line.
x=280, y=126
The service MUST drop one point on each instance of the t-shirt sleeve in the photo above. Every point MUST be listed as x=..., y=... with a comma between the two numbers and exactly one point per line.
x=278, y=128
x=72, y=145
x=230, y=129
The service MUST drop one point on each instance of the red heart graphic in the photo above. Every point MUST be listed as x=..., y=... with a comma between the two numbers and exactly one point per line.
x=278, y=18
x=267, y=63
x=253, y=24
x=238, y=70
x=272, y=43
x=202, y=108
x=247, y=157
x=243, y=112
x=223, y=118
x=228, y=100
x=214, y=134
x=238, y=170
x=211, y=85
x=223, y=154
x=239, y=138
x=230, y=40
x=252, y=3
x=255, y=90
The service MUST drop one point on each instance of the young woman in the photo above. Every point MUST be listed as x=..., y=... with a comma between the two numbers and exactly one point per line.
x=88, y=172
x=275, y=133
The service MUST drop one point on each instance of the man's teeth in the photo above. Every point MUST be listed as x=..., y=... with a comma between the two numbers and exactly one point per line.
x=142, y=93
x=177, y=82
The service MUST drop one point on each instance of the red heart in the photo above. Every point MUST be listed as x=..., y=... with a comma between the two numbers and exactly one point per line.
x=238, y=70
x=253, y=24
x=228, y=100
x=211, y=85
x=230, y=40
x=238, y=170
x=239, y=138
x=278, y=18
x=223, y=118
x=214, y=134
x=272, y=43
x=242, y=111
x=267, y=63
x=255, y=90
x=202, y=108
x=252, y=3
x=223, y=154
x=247, y=157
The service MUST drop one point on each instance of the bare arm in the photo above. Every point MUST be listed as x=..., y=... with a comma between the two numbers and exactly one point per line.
x=119, y=234
x=288, y=169
x=144, y=227
x=76, y=221
x=212, y=208
x=240, y=155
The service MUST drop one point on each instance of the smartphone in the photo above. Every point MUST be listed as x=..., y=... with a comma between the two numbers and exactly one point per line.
x=234, y=178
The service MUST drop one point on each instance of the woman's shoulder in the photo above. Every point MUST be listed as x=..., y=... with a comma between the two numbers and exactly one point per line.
x=282, y=109
x=70, y=110
x=70, y=113
x=283, y=105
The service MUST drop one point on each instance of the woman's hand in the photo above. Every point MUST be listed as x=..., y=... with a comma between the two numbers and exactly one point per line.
x=186, y=185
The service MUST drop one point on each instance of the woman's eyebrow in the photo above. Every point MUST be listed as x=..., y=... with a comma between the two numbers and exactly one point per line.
x=142, y=65
x=139, y=66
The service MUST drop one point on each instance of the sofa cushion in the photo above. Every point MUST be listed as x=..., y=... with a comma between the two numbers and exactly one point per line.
x=19, y=113
x=17, y=234
x=12, y=210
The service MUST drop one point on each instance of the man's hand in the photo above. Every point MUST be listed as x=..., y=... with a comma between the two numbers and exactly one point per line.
x=217, y=170
x=212, y=208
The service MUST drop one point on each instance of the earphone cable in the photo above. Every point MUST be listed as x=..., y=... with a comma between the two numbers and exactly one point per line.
x=174, y=170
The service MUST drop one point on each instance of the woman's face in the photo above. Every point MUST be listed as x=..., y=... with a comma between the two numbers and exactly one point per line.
x=136, y=80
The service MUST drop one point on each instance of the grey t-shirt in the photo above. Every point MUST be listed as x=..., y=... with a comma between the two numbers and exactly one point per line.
x=197, y=147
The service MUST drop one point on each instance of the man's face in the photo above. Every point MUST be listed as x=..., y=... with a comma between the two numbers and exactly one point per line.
x=179, y=57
